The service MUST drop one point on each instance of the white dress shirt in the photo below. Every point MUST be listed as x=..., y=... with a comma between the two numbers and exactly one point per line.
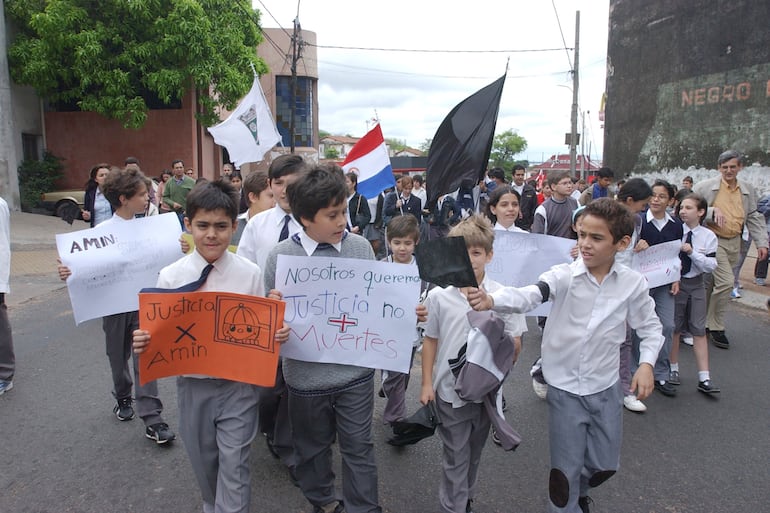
x=231, y=273
x=704, y=243
x=262, y=232
x=587, y=323
x=5, y=247
x=447, y=322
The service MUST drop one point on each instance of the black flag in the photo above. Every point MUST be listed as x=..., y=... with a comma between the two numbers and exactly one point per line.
x=462, y=144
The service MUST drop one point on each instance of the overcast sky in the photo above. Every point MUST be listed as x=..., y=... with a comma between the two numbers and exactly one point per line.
x=413, y=91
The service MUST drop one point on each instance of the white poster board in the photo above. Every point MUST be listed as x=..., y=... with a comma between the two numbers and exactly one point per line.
x=341, y=310
x=112, y=262
x=660, y=263
x=520, y=258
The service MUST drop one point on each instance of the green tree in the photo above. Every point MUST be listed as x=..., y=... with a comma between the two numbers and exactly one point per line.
x=505, y=146
x=323, y=133
x=425, y=146
x=331, y=153
x=396, y=145
x=121, y=57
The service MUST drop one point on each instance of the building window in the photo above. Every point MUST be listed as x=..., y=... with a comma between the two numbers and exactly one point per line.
x=303, y=112
x=30, y=147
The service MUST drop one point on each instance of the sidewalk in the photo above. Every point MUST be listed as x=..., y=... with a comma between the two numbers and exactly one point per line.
x=33, y=255
x=33, y=261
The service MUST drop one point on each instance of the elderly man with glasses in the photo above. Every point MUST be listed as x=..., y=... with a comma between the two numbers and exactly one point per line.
x=732, y=204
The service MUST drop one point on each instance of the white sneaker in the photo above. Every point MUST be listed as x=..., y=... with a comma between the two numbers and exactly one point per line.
x=633, y=404
x=735, y=294
x=687, y=341
x=540, y=389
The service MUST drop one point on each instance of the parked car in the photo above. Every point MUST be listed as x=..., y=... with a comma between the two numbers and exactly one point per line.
x=57, y=202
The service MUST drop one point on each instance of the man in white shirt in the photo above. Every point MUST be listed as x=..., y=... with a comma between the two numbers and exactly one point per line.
x=7, y=359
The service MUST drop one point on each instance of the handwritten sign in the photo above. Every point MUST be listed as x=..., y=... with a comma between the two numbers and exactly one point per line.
x=660, y=263
x=111, y=263
x=229, y=336
x=350, y=311
x=520, y=258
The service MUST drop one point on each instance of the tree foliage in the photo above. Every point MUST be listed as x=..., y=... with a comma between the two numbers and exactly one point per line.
x=120, y=57
x=395, y=145
x=505, y=146
x=424, y=146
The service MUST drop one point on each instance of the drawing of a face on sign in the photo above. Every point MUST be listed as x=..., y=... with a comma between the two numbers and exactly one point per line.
x=241, y=324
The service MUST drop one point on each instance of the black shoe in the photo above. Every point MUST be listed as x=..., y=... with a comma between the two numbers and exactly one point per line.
x=381, y=393
x=159, y=432
x=707, y=387
x=665, y=388
x=469, y=506
x=719, y=339
x=124, y=409
x=583, y=502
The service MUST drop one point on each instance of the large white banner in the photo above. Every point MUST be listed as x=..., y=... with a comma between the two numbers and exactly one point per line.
x=660, y=263
x=350, y=311
x=111, y=263
x=520, y=258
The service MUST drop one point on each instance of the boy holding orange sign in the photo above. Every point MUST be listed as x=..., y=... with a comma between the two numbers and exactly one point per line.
x=217, y=417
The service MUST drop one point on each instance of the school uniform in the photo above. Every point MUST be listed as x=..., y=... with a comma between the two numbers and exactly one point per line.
x=118, y=333
x=690, y=303
x=218, y=417
x=464, y=427
x=658, y=231
x=580, y=349
x=394, y=384
x=261, y=234
x=329, y=401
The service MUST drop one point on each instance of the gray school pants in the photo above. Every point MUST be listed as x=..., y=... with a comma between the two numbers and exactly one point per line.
x=316, y=420
x=585, y=433
x=7, y=359
x=394, y=384
x=463, y=433
x=664, y=308
x=274, y=417
x=118, y=331
x=218, y=423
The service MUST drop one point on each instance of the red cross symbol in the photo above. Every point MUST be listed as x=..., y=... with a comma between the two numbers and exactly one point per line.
x=343, y=322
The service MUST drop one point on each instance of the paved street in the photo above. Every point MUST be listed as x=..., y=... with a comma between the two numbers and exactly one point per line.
x=64, y=451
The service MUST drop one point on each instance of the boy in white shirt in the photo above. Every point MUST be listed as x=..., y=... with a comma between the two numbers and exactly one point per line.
x=464, y=425
x=217, y=417
x=593, y=299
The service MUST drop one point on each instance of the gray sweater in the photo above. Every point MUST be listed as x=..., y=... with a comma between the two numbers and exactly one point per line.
x=312, y=378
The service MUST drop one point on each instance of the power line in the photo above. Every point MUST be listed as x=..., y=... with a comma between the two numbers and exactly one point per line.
x=427, y=75
x=422, y=50
x=274, y=19
x=564, y=42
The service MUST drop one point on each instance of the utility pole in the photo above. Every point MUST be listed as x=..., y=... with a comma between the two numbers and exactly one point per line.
x=296, y=54
x=575, y=73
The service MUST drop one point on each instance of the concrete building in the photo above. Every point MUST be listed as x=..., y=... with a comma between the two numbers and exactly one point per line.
x=85, y=138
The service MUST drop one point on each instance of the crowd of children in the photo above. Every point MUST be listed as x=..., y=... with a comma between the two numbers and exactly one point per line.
x=622, y=341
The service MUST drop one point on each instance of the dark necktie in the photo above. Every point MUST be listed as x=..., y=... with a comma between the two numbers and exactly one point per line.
x=686, y=260
x=285, y=230
x=189, y=287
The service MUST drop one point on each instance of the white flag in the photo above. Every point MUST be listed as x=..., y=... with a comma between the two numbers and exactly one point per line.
x=249, y=131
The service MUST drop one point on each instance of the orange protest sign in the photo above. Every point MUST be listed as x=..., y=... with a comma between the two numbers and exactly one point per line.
x=218, y=334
